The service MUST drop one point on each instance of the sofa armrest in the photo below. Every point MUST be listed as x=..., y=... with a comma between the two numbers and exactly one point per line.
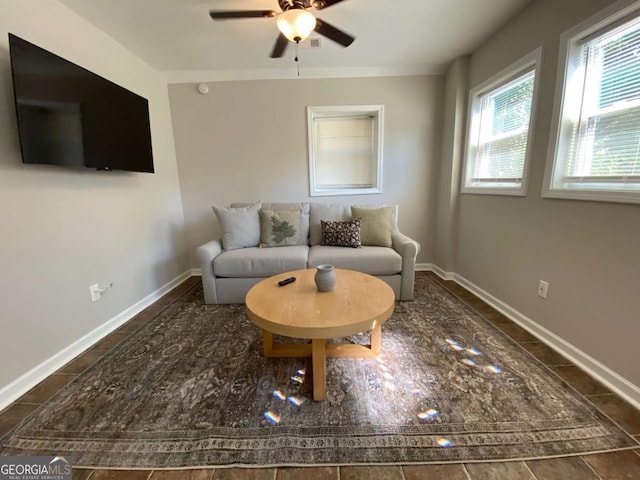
x=408, y=250
x=206, y=253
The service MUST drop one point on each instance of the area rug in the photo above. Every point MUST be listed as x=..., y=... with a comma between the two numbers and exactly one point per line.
x=191, y=388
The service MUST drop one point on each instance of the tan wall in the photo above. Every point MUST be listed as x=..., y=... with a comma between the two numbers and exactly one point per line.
x=247, y=141
x=448, y=190
x=587, y=251
x=64, y=229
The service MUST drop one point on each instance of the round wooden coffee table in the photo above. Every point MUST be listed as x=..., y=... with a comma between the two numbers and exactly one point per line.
x=359, y=303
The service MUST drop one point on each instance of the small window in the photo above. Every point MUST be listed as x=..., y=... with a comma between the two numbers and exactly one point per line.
x=595, y=150
x=500, y=127
x=345, y=149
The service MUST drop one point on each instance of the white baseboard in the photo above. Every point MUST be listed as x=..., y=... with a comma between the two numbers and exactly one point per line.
x=26, y=382
x=441, y=273
x=196, y=272
x=424, y=267
x=599, y=371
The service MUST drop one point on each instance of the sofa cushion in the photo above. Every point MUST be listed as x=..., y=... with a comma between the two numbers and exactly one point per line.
x=375, y=229
x=260, y=262
x=279, y=228
x=304, y=216
x=371, y=260
x=325, y=211
x=341, y=234
x=240, y=226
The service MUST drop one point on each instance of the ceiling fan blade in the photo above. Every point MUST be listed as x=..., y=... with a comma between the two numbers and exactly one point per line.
x=233, y=14
x=320, y=4
x=331, y=32
x=280, y=46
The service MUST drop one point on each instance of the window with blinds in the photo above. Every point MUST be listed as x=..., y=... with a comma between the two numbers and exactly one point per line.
x=345, y=149
x=598, y=141
x=499, y=131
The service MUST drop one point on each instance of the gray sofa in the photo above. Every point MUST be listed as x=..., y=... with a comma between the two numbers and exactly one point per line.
x=227, y=275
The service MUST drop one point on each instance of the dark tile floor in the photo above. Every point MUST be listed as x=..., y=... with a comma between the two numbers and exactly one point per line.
x=604, y=466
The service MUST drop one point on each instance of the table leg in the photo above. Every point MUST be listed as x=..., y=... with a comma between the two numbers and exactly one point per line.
x=319, y=361
x=376, y=340
x=267, y=343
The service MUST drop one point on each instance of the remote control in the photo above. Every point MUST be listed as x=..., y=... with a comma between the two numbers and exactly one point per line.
x=286, y=281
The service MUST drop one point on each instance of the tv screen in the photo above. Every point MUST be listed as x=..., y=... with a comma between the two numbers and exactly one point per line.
x=70, y=116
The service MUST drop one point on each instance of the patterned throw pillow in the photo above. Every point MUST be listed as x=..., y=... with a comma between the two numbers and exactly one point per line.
x=279, y=227
x=341, y=234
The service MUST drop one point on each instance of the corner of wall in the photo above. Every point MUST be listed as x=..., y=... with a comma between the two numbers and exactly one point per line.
x=451, y=157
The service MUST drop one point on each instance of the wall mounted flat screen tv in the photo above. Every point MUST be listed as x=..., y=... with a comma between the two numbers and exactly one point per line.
x=70, y=116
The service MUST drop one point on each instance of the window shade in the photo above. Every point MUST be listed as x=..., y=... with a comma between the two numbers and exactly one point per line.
x=344, y=152
x=501, y=130
x=604, y=141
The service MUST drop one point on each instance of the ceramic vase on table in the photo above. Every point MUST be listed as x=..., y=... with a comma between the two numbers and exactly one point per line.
x=325, y=278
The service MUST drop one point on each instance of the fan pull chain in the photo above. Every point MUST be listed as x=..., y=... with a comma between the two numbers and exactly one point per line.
x=296, y=59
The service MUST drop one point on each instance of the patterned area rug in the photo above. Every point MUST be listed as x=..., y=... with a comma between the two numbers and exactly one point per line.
x=191, y=388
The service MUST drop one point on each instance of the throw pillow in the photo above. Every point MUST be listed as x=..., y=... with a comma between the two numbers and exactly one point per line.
x=325, y=211
x=341, y=234
x=279, y=227
x=240, y=226
x=376, y=225
x=304, y=216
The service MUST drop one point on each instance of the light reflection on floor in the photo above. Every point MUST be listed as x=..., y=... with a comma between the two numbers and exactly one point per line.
x=453, y=344
x=472, y=351
x=393, y=382
x=411, y=386
x=296, y=400
x=428, y=414
x=431, y=413
x=274, y=417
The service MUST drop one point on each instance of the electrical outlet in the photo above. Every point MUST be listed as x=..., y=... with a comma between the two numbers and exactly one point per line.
x=543, y=289
x=95, y=292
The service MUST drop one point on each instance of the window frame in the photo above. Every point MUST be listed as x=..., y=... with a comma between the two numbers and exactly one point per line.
x=598, y=25
x=529, y=63
x=318, y=112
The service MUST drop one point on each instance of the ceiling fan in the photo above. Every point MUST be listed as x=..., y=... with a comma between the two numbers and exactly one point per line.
x=295, y=22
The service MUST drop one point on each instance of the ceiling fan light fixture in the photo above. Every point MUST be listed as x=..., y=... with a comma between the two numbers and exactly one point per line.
x=296, y=24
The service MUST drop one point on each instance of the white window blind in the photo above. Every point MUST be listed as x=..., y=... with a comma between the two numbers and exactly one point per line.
x=604, y=139
x=504, y=128
x=499, y=130
x=345, y=149
x=594, y=150
x=344, y=152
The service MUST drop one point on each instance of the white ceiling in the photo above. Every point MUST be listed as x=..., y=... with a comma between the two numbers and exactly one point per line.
x=392, y=36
